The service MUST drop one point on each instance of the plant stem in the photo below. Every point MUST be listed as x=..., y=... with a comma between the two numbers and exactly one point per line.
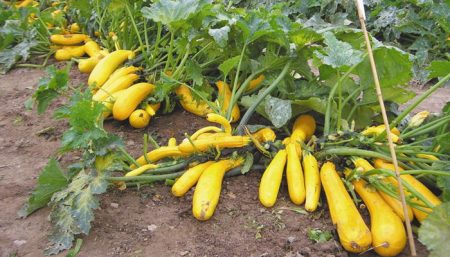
x=128, y=156
x=146, y=179
x=169, y=53
x=235, y=82
x=261, y=97
x=326, y=127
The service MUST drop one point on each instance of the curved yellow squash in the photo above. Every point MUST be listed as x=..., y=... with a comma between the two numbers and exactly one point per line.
x=120, y=83
x=189, y=179
x=107, y=66
x=388, y=232
x=207, y=192
x=354, y=234
x=271, y=179
x=294, y=175
x=224, y=97
x=188, y=103
x=312, y=182
x=127, y=102
x=68, y=39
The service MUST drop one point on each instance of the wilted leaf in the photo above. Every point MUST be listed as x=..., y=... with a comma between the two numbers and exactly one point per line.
x=278, y=110
x=220, y=35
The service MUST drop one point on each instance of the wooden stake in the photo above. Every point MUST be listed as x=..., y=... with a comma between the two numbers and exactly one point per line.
x=361, y=15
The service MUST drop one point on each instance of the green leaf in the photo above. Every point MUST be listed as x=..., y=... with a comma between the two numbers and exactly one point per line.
x=314, y=103
x=51, y=180
x=278, y=110
x=338, y=53
x=319, y=236
x=435, y=231
x=170, y=12
x=220, y=35
x=394, y=68
x=248, y=163
x=303, y=37
x=194, y=72
x=439, y=69
x=50, y=87
x=19, y=52
x=229, y=64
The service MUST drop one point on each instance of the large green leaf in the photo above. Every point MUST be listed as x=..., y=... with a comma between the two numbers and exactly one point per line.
x=435, y=231
x=51, y=180
x=338, y=53
x=439, y=69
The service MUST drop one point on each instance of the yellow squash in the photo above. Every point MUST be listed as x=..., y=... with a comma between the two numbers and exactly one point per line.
x=417, y=185
x=388, y=232
x=312, y=181
x=189, y=179
x=205, y=144
x=353, y=233
x=207, y=192
x=199, y=108
x=271, y=179
x=255, y=83
x=68, y=52
x=172, y=141
x=304, y=128
x=87, y=65
x=107, y=66
x=109, y=103
x=92, y=48
x=265, y=135
x=139, y=119
x=216, y=118
x=127, y=102
x=224, y=97
x=120, y=83
x=158, y=154
x=68, y=39
x=294, y=175
x=394, y=203
x=140, y=170
x=151, y=109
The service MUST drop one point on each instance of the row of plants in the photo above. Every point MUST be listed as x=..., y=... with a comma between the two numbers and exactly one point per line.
x=145, y=58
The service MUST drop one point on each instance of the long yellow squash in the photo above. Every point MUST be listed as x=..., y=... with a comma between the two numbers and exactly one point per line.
x=158, y=154
x=271, y=179
x=127, y=102
x=120, y=83
x=207, y=192
x=312, y=181
x=199, y=108
x=205, y=144
x=107, y=65
x=417, y=185
x=189, y=179
x=388, y=232
x=224, y=96
x=68, y=39
x=294, y=175
x=354, y=234
x=394, y=203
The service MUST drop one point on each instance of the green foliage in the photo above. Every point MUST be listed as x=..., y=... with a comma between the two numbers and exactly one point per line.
x=50, y=87
x=435, y=230
x=319, y=236
x=51, y=180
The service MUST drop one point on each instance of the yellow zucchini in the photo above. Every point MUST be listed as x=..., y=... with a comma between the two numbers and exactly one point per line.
x=199, y=108
x=92, y=48
x=394, y=203
x=151, y=109
x=68, y=39
x=271, y=179
x=107, y=65
x=265, y=135
x=158, y=154
x=172, y=141
x=205, y=130
x=120, y=83
x=189, y=179
x=254, y=83
x=127, y=102
x=214, y=117
x=207, y=192
x=353, y=233
x=140, y=170
x=417, y=185
x=139, y=119
x=68, y=52
x=312, y=181
x=109, y=103
x=388, y=232
x=294, y=175
x=304, y=128
x=224, y=97
x=87, y=65
x=205, y=144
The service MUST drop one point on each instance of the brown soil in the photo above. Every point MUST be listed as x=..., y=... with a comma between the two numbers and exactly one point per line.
x=148, y=221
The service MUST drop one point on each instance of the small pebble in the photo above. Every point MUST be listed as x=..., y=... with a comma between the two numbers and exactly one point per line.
x=183, y=253
x=152, y=227
x=291, y=239
x=18, y=243
x=114, y=205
